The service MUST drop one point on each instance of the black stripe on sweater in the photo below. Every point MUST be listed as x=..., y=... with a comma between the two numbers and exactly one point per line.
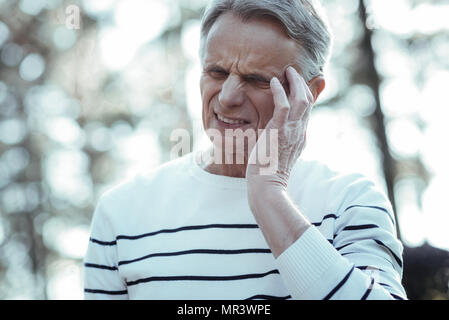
x=267, y=297
x=333, y=216
x=195, y=251
x=398, y=260
x=103, y=243
x=360, y=227
x=369, y=268
x=339, y=285
x=198, y=227
x=388, y=288
x=202, y=278
x=371, y=207
x=344, y=246
x=99, y=266
x=347, y=253
x=120, y=292
x=357, y=227
x=396, y=297
x=329, y=216
x=368, y=291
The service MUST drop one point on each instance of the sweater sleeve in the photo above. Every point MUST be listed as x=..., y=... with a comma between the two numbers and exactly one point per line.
x=364, y=260
x=101, y=277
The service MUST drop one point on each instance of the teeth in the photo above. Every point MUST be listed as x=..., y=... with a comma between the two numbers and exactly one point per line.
x=226, y=120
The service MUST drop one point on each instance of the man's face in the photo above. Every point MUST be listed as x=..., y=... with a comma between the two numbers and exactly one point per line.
x=239, y=61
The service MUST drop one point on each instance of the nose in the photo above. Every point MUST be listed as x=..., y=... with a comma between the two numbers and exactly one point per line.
x=231, y=94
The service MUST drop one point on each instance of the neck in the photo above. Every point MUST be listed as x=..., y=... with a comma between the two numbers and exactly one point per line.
x=223, y=164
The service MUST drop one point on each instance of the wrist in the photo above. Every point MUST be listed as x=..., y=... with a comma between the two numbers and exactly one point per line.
x=271, y=182
x=261, y=195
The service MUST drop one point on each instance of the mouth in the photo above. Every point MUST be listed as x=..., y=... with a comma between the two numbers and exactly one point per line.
x=229, y=121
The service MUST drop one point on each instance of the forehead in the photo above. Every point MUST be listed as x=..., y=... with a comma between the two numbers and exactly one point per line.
x=255, y=43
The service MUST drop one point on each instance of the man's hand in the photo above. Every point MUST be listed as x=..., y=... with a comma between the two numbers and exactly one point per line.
x=279, y=219
x=284, y=137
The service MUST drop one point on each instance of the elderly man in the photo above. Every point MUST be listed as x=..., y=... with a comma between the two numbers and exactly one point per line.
x=213, y=227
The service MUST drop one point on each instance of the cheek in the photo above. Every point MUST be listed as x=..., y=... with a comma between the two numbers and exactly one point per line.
x=207, y=90
x=264, y=107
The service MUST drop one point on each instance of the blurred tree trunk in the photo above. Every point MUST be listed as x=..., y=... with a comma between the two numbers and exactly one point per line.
x=23, y=221
x=377, y=119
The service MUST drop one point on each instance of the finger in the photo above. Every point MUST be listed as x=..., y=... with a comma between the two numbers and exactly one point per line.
x=293, y=78
x=309, y=94
x=305, y=92
x=299, y=101
x=306, y=114
x=309, y=97
x=281, y=103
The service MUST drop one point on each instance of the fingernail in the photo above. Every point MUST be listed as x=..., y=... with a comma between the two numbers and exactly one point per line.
x=293, y=70
x=275, y=81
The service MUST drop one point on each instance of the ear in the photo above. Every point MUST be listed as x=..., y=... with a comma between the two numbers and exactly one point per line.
x=316, y=86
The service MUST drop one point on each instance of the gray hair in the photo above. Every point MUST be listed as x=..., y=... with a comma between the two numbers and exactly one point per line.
x=302, y=20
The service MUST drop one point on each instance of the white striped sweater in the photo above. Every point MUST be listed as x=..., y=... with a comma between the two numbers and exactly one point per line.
x=180, y=232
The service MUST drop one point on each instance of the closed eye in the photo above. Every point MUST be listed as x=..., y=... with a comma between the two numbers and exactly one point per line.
x=255, y=80
x=217, y=73
x=258, y=81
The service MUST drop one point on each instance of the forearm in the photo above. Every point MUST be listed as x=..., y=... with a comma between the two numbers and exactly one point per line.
x=280, y=221
x=313, y=268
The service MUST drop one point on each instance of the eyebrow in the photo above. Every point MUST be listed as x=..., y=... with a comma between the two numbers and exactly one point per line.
x=214, y=67
x=254, y=76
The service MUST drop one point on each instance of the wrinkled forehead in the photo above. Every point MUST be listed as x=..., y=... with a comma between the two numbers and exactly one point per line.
x=257, y=41
x=230, y=25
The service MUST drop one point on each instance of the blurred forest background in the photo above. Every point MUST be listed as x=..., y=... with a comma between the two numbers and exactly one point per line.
x=91, y=90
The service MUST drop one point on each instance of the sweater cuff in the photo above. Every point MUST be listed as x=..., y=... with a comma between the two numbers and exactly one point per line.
x=311, y=266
